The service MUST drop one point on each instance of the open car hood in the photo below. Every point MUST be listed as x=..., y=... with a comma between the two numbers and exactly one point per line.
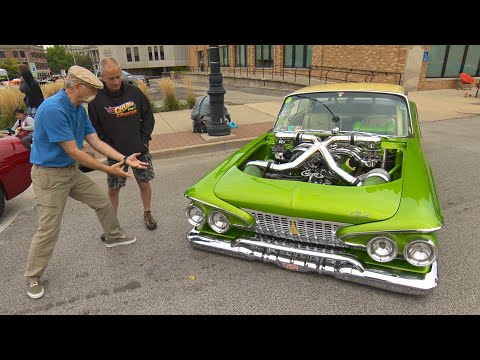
x=346, y=204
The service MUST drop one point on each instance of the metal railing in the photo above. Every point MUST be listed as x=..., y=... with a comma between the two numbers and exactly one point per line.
x=307, y=75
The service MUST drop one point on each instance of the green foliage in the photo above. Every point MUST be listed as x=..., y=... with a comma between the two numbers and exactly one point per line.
x=58, y=58
x=4, y=122
x=190, y=102
x=179, y=68
x=11, y=65
x=84, y=61
x=170, y=104
x=153, y=106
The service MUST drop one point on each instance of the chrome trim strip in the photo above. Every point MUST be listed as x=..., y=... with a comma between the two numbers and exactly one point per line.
x=346, y=258
x=342, y=266
x=421, y=231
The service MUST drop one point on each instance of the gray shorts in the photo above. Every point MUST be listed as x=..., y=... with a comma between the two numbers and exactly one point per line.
x=141, y=175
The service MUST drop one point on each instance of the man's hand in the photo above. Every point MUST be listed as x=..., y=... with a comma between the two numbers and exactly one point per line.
x=135, y=163
x=116, y=170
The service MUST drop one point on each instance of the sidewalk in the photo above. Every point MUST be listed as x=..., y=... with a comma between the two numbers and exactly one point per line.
x=173, y=134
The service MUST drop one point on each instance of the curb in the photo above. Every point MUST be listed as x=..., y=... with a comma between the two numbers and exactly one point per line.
x=201, y=148
x=195, y=149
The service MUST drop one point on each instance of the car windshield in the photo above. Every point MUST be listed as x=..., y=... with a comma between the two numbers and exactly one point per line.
x=379, y=113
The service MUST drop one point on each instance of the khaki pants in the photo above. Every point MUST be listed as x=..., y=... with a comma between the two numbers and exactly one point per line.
x=52, y=187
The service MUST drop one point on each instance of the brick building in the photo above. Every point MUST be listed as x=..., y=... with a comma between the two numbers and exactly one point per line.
x=28, y=54
x=416, y=67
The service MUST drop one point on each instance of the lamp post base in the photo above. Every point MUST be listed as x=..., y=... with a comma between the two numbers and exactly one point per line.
x=217, y=129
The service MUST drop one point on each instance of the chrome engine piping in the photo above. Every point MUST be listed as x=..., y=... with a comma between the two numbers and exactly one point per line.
x=344, y=267
x=291, y=165
x=351, y=153
x=333, y=165
x=320, y=146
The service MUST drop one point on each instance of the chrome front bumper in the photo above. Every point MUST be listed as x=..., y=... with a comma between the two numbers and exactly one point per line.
x=332, y=262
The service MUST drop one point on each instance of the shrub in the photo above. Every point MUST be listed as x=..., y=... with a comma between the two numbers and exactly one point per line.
x=52, y=88
x=179, y=68
x=146, y=91
x=189, y=83
x=170, y=102
x=10, y=98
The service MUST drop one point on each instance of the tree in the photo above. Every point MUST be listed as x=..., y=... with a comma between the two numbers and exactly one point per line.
x=11, y=65
x=84, y=61
x=58, y=58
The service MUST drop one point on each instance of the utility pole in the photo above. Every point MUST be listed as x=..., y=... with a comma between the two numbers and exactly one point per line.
x=217, y=125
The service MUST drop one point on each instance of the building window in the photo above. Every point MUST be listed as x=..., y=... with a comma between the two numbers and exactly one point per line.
x=447, y=61
x=297, y=56
x=472, y=61
x=15, y=53
x=264, y=55
x=241, y=55
x=136, y=54
x=129, y=54
x=150, y=54
x=2, y=53
x=22, y=53
x=162, y=54
x=223, y=53
x=155, y=51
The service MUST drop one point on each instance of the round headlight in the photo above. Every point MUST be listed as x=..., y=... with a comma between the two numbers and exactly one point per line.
x=382, y=249
x=195, y=215
x=420, y=252
x=218, y=222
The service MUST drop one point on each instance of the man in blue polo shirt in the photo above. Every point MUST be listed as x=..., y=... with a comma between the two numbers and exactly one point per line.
x=61, y=126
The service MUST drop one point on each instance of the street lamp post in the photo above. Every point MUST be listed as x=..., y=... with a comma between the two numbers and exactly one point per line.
x=73, y=53
x=217, y=125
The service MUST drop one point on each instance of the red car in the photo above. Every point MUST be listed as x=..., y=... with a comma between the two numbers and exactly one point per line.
x=14, y=169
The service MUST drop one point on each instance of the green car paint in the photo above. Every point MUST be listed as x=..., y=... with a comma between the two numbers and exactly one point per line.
x=404, y=209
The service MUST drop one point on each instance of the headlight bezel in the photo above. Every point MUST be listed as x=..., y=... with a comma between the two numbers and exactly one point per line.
x=432, y=258
x=383, y=259
x=212, y=224
x=189, y=218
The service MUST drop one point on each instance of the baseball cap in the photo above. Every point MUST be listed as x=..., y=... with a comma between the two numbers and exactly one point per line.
x=84, y=76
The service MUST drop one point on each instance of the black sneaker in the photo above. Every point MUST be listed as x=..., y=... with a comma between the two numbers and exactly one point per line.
x=149, y=221
x=124, y=240
x=35, y=289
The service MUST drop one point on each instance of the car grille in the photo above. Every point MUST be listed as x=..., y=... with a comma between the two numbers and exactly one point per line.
x=297, y=229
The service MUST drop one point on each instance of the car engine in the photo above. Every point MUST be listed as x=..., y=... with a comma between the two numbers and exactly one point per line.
x=346, y=159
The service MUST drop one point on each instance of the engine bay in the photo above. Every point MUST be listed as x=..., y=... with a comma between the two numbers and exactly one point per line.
x=354, y=159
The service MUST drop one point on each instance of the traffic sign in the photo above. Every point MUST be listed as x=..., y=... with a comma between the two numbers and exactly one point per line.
x=33, y=69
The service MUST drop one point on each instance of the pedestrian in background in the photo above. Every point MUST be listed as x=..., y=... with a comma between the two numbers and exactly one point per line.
x=123, y=118
x=30, y=87
x=61, y=126
x=24, y=127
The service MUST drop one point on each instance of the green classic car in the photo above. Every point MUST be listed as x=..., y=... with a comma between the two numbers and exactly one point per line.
x=339, y=186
